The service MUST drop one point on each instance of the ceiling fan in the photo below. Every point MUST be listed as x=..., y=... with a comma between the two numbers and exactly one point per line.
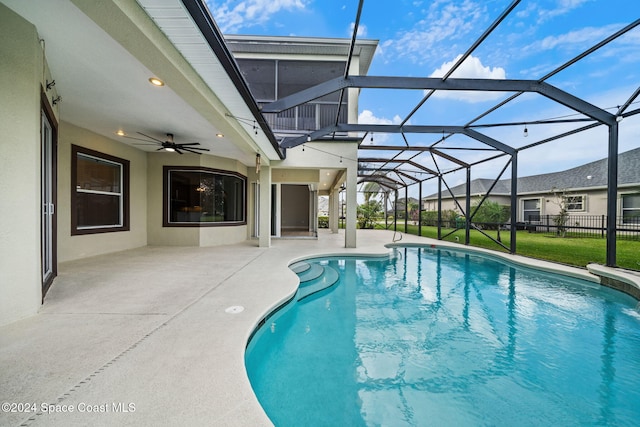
x=169, y=144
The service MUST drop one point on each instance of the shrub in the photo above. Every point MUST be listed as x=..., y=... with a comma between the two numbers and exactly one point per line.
x=368, y=213
x=431, y=218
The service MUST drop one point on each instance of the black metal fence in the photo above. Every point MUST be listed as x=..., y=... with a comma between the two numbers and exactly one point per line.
x=583, y=226
x=594, y=226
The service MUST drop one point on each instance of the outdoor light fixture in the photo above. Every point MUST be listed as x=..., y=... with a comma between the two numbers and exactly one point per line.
x=258, y=162
x=526, y=132
x=619, y=119
x=120, y=132
x=156, y=81
x=50, y=84
x=308, y=138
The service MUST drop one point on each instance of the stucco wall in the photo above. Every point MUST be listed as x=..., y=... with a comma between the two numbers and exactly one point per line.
x=295, y=176
x=187, y=236
x=81, y=246
x=20, y=75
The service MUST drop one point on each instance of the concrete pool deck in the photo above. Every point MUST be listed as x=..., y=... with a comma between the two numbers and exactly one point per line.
x=145, y=337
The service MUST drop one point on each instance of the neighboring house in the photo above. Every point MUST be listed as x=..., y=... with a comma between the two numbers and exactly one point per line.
x=98, y=95
x=584, y=189
x=401, y=206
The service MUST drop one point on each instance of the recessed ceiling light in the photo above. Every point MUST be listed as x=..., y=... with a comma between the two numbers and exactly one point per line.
x=120, y=132
x=156, y=81
x=219, y=135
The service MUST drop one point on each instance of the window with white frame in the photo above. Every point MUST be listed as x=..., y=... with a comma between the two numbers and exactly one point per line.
x=575, y=203
x=99, y=193
x=631, y=208
x=531, y=210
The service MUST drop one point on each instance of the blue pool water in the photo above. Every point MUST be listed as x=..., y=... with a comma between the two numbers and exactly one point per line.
x=441, y=337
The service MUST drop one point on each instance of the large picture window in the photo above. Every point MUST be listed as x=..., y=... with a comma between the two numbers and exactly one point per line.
x=203, y=197
x=99, y=193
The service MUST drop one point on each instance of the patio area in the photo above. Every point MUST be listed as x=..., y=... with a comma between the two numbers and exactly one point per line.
x=141, y=337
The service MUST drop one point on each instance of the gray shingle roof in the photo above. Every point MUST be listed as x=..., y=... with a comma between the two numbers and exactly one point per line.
x=574, y=178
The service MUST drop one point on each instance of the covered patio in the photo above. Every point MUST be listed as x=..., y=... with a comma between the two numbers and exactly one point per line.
x=149, y=327
x=155, y=335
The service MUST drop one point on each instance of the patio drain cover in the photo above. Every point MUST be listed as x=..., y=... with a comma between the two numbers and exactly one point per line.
x=234, y=309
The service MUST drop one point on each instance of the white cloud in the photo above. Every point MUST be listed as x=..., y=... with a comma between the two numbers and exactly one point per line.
x=563, y=7
x=232, y=15
x=362, y=30
x=472, y=67
x=584, y=37
x=443, y=24
x=367, y=117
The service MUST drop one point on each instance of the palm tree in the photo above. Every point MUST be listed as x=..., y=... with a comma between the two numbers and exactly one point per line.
x=370, y=189
x=414, y=207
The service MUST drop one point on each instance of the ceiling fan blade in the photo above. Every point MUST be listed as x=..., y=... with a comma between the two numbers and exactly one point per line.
x=189, y=143
x=138, y=139
x=150, y=137
x=190, y=150
x=195, y=148
x=178, y=150
x=160, y=149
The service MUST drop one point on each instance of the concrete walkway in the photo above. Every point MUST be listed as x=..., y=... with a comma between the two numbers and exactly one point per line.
x=142, y=337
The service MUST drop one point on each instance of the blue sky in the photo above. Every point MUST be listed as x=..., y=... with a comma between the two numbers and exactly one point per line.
x=424, y=38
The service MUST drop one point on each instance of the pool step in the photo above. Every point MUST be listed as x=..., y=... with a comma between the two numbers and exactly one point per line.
x=300, y=267
x=326, y=279
x=313, y=272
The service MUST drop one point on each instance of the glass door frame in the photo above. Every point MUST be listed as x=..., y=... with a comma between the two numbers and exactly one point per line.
x=48, y=194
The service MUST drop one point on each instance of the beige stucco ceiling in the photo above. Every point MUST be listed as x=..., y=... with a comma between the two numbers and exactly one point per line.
x=101, y=55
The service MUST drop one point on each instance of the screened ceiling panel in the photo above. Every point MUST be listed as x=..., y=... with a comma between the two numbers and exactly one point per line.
x=260, y=75
x=295, y=76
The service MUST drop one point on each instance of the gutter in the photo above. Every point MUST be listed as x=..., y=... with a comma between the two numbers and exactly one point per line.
x=209, y=29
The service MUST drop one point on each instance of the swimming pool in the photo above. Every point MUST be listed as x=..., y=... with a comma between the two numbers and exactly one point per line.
x=444, y=337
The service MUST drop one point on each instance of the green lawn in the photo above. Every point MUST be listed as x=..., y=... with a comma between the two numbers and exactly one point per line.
x=569, y=250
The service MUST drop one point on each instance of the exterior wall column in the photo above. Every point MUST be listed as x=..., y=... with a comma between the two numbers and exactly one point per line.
x=352, y=206
x=264, y=238
x=20, y=260
x=334, y=210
